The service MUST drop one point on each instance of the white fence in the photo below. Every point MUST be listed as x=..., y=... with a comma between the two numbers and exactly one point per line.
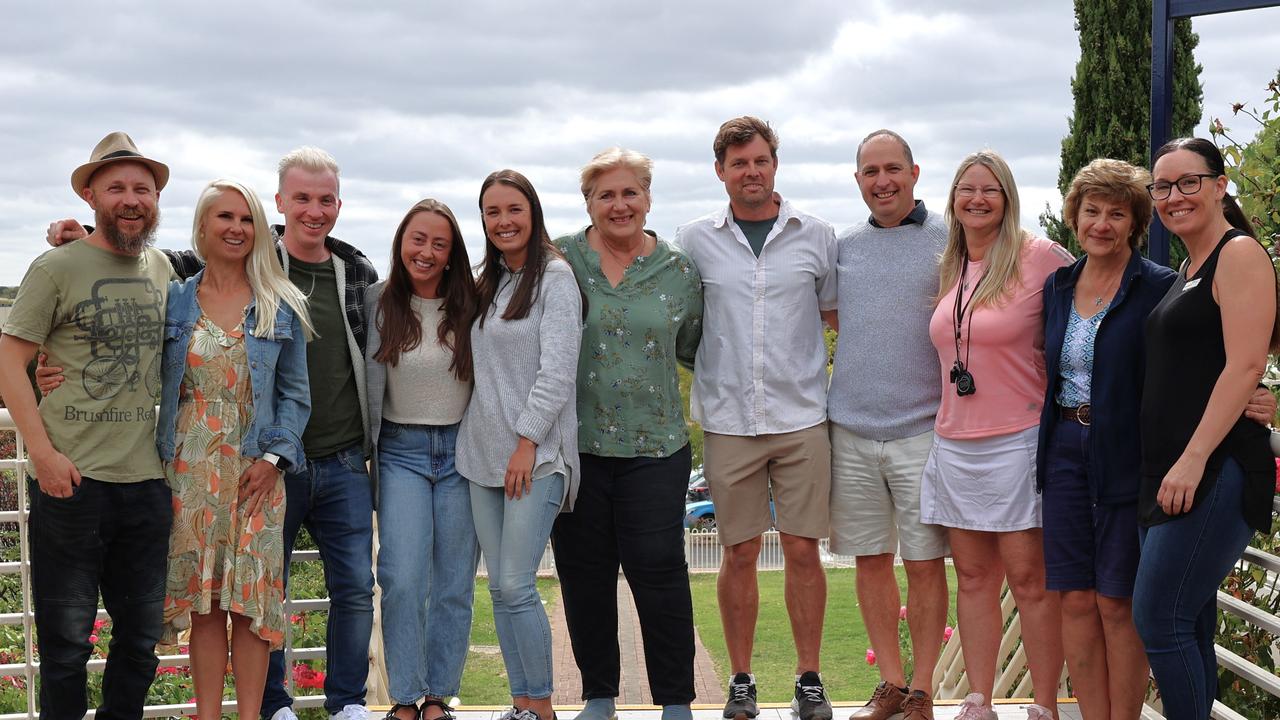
x=703, y=551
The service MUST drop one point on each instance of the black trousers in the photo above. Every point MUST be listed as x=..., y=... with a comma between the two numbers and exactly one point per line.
x=108, y=537
x=629, y=512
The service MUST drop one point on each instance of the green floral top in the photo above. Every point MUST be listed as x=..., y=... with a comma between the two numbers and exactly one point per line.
x=629, y=402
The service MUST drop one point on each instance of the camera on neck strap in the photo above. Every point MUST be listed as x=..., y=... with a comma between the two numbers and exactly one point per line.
x=962, y=379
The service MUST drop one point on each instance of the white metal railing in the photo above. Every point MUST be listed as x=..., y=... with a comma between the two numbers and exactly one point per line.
x=29, y=668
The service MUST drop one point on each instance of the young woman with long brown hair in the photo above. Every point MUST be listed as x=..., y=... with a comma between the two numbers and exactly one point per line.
x=419, y=378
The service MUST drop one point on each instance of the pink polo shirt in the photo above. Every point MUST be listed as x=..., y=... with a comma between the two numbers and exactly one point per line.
x=1004, y=347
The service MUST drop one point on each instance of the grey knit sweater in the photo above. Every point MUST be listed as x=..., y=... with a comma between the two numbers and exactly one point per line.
x=525, y=379
x=884, y=384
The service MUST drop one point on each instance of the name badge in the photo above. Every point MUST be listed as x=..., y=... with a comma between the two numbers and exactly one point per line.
x=1191, y=284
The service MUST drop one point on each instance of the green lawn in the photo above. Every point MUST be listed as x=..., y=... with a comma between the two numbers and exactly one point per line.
x=846, y=674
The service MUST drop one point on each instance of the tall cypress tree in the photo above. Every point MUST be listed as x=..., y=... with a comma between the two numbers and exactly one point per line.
x=1112, y=92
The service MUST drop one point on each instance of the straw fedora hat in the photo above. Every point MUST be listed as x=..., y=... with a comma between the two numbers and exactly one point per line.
x=113, y=148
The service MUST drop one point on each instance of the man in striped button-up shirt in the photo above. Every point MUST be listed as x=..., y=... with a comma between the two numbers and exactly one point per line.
x=769, y=277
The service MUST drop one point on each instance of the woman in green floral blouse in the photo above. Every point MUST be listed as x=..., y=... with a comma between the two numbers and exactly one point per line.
x=644, y=299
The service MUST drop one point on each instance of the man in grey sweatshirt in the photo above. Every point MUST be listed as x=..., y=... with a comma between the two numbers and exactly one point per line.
x=883, y=398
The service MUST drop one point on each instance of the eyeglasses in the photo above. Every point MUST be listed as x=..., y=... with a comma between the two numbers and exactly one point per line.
x=1187, y=185
x=968, y=191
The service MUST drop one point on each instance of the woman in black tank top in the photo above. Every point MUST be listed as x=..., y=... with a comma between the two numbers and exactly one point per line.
x=1207, y=472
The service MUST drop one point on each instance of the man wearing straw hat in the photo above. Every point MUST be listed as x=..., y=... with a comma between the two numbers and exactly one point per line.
x=100, y=508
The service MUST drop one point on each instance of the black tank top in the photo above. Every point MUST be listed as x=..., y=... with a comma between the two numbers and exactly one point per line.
x=1185, y=355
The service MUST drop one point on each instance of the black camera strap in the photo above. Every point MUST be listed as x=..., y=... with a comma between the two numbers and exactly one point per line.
x=961, y=309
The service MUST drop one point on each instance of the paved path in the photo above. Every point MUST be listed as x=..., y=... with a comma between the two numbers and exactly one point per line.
x=634, y=686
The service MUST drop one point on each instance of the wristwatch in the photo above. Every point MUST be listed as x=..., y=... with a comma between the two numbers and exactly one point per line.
x=280, y=463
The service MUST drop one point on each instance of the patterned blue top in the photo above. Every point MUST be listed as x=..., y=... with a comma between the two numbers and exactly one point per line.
x=1075, y=365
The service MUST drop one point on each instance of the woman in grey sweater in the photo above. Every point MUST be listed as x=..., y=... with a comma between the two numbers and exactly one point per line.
x=518, y=443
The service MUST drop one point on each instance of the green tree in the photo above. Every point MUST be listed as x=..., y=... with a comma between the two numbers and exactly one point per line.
x=1112, y=91
x=1254, y=166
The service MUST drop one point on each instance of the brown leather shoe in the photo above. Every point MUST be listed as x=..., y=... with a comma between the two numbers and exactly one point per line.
x=917, y=706
x=885, y=702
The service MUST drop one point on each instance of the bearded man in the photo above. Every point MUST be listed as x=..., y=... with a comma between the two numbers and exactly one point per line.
x=100, y=508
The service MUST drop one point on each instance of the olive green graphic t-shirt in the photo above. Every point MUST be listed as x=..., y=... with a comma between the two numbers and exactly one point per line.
x=100, y=316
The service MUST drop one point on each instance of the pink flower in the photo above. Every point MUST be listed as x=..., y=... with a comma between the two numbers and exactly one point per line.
x=946, y=633
x=93, y=639
x=295, y=619
x=98, y=624
x=871, y=656
x=902, y=613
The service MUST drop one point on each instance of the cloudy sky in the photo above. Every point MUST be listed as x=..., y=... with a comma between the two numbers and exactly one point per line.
x=419, y=99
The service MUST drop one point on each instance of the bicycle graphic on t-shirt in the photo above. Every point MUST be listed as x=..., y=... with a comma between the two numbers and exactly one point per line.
x=122, y=318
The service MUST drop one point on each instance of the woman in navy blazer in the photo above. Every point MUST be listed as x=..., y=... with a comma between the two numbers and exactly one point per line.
x=1089, y=456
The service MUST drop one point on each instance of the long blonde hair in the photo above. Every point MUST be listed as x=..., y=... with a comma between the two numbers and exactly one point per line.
x=1002, y=260
x=267, y=278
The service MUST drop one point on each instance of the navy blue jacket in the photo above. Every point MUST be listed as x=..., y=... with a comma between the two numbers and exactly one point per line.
x=1115, y=453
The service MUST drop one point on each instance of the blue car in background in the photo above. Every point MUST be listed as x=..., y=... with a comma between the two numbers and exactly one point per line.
x=699, y=510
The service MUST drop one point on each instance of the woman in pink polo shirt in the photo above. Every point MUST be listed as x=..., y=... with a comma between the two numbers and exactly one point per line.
x=980, y=479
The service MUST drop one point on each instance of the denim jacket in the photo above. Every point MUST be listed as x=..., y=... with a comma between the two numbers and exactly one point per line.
x=277, y=369
x=1119, y=361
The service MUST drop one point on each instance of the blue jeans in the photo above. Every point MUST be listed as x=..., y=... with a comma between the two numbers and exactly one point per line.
x=332, y=497
x=112, y=537
x=513, y=535
x=1175, y=597
x=427, y=556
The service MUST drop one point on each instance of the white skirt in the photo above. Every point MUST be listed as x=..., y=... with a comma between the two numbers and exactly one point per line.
x=984, y=484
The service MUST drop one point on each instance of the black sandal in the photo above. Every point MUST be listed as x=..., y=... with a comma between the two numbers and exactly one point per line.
x=436, y=702
x=391, y=714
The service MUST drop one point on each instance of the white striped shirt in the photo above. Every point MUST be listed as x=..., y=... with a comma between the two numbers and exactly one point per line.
x=762, y=366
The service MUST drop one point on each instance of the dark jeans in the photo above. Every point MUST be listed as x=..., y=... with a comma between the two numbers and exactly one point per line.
x=628, y=511
x=332, y=497
x=108, y=537
x=1175, y=598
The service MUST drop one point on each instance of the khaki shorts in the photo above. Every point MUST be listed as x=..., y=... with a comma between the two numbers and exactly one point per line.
x=741, y=469
x=875, y=497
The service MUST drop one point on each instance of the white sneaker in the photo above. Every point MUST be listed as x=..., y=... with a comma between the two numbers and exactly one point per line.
x=509, y=713
x=284, y=713
x=351, y=712
x=975, y=707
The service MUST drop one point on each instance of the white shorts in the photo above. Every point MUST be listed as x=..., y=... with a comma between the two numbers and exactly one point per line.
x=983, y=484
x=875, y=497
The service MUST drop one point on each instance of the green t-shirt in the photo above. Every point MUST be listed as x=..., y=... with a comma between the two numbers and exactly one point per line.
x=335, y=402
x=100, y=316
x=756, y=231
x=629, y=402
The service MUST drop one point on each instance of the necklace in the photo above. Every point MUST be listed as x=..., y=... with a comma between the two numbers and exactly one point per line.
x=624, y=264
x=1107, y=290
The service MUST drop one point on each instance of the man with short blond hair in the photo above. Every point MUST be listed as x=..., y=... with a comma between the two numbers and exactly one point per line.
x=759, y=391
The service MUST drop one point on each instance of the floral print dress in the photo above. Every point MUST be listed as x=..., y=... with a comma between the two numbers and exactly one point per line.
x=218, y=558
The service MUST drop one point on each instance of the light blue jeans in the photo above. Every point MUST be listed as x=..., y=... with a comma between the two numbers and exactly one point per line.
x=426, y=560
x=513, y=535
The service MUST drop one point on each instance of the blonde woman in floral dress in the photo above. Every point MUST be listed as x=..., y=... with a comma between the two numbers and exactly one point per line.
x=234, y=402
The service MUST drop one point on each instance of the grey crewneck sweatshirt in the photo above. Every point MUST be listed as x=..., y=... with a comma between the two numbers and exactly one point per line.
x=884, y=385
x=525, y=384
